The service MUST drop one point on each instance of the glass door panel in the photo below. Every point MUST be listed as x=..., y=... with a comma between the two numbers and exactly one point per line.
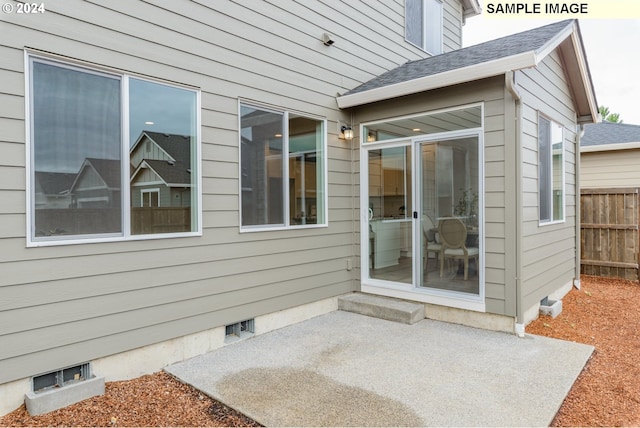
x=449, y=231
x=390, y=214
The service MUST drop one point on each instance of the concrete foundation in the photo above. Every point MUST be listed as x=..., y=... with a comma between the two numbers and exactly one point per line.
x=150, y=359
x=481, y=320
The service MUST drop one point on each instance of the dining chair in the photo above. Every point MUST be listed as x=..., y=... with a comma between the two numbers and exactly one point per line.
x=453, y=236
x=431, y=244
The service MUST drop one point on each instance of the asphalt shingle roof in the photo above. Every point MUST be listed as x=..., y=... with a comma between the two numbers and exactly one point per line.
x=108, y=170
x=55, y=183
x=504, y=47
x=177, y=146
x=177, y=173
x=610, y=133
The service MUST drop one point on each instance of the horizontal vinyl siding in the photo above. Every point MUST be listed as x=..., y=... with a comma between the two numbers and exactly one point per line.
x=64, y=305
x=548, y=251
x=452, y=25
x=618, y=168
x=497, y=295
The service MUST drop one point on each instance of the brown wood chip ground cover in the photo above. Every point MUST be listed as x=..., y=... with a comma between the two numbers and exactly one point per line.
x=605, y=313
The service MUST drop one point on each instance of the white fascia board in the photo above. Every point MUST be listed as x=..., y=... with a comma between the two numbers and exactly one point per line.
x=471, y=8
x=585, y=77
x=572, y=32
x=553, y=44
x=610, y=147
x=448, y=78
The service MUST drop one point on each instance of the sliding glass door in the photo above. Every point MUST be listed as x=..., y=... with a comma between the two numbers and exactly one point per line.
x=449, y=229
x=390, y=214
x=422, y=230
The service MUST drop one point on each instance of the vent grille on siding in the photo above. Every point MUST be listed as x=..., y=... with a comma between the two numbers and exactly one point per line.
x=62, y=377
x=240, y=329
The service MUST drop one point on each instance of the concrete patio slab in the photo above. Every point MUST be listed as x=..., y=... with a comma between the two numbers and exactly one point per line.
x=345, y=369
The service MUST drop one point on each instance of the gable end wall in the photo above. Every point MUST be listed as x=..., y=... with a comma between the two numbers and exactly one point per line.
x=548, y=251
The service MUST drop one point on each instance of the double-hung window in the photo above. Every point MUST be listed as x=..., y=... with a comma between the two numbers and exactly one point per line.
x=550, y=170
x=423, y=24
x=283, y=169
x=111, y=156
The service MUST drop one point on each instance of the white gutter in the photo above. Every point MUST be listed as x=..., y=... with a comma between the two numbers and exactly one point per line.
x=609, y=147
x=512, y=87
x=447, y=78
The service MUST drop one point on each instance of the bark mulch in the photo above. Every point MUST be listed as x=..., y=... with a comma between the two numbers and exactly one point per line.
x=155, y=400
x=604, y=313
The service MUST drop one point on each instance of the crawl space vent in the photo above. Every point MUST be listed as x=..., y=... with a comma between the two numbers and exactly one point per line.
x=240, y=329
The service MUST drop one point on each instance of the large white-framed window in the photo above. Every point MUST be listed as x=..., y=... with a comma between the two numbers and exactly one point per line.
x=283, y=169
x=423, y=24
x=551, y=184
x=97, y=139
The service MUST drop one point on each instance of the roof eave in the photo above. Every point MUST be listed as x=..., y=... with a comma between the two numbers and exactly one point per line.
x=144, y=165
x=588, y=106
x=448, y=78
x=610, y=147
x=582, y=87
x=470, y=8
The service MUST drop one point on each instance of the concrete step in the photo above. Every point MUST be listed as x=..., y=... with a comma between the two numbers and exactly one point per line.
x=385, y=308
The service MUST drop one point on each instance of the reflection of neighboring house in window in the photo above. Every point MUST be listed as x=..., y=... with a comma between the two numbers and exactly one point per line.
x=161, y=170
x=52, y=189
x=97, y=185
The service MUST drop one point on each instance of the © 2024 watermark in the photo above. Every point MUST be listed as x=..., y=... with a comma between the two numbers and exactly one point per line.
x=558, y=9
x=23, y=8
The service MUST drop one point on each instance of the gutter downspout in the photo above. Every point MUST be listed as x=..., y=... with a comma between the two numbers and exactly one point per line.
x=512, y=87
x=576, y=278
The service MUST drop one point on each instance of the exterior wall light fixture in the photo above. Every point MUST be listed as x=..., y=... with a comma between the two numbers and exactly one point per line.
x=346, y=133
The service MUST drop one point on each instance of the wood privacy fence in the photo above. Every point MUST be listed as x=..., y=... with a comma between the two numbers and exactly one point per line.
x=610, y=240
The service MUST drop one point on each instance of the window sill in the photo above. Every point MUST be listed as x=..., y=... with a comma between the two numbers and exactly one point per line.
x=551, y=223
x=250, y=229
x=105, y=239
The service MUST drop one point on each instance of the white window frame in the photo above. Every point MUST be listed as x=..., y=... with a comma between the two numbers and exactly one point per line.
x=285, y=150
x=411, y=291
x=144, y=192
x=125, y=234
x=433, y=15
x=550, y=190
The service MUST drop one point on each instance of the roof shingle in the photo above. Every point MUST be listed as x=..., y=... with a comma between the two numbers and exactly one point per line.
x=527, y=41
x=610, y=133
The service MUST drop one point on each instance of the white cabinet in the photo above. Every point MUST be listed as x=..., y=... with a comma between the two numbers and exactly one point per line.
x=389, y=241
